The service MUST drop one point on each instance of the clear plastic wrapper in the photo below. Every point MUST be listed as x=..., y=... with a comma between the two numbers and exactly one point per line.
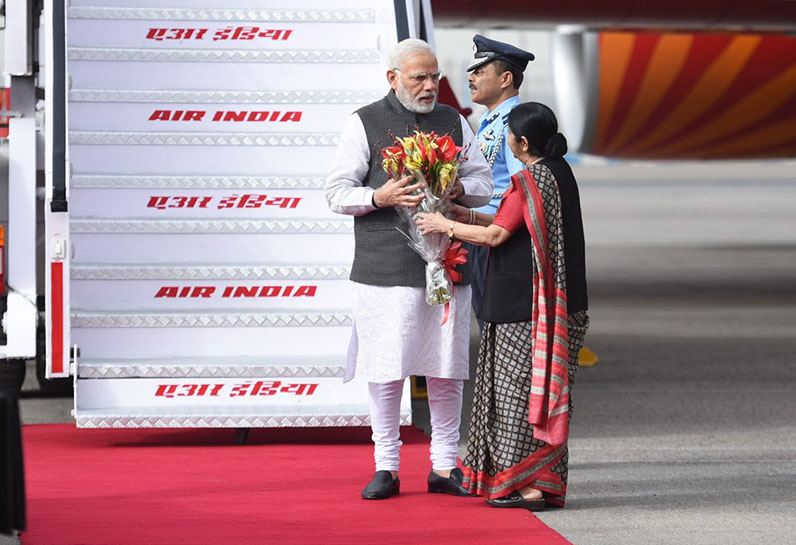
x=431, y=247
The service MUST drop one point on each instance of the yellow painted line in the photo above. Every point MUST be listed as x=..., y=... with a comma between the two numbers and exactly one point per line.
x=587, y=358
x=419, y=391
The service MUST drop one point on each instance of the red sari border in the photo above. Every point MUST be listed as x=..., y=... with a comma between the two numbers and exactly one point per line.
x=536, y=470
x=549, y=398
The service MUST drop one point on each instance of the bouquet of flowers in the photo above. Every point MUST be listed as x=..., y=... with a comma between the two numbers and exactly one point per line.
x=435, y=160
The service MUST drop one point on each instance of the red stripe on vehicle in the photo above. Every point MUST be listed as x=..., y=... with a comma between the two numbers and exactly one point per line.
x=57, y=317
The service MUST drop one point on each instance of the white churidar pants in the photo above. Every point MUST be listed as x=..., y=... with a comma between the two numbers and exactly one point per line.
x=445, y=406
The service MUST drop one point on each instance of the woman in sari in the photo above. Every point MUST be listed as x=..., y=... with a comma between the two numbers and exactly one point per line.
x=534, y=309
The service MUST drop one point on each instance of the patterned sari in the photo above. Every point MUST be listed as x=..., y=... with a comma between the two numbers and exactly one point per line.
x=521, y=406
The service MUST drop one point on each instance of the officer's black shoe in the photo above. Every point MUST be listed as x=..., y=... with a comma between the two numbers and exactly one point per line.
x=438, y=484
x=382, y=486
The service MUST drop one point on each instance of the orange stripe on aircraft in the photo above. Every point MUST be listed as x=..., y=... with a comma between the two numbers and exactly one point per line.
x=758, y=142
x=640, y=55
x=705, y=93
x=704, y=50
x=773, y=55
x=747, y=111
x=615, y=49
x=782, y=151
x=665, y=64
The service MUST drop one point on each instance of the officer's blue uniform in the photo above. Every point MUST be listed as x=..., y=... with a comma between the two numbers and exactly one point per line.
x=493, y=138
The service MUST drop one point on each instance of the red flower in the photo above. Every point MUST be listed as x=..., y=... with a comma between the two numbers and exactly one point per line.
x=432, y=155
x=456, y=255
x=447, y=149
x=393, y=151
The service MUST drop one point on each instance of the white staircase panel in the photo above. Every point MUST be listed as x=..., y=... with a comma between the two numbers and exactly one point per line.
x=200, y=204
x=240, y=34
x=209, y=281
x=214, y=159
x=208, y=118
x=275, y=395
x=257, y=75
x=212, y=249
x=216, y=342
x=248, y=402
x=211, y=296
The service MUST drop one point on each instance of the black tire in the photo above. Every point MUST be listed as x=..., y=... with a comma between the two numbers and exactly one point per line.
x=60, y=387
x=55, y=386
x=242, y=436
x=12, y=374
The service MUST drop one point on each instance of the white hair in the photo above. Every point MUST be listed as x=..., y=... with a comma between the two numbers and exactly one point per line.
x=402, y=49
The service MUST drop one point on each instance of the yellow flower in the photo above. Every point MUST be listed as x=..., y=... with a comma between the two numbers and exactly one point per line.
x=408, y=144
x=447, y=174
x=411, y=164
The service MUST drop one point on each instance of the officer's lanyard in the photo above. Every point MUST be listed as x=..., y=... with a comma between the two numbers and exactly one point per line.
x=493, y=155
x=496, y=149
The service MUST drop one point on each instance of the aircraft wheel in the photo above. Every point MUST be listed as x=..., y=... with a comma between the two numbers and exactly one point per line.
x=12, y=374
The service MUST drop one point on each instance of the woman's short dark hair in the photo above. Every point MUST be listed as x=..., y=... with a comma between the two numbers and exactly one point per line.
x=538, y=124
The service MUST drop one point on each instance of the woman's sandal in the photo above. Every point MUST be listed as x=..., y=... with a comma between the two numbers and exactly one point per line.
x=516, y=501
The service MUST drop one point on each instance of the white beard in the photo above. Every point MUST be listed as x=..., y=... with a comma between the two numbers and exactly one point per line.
x=411, y=103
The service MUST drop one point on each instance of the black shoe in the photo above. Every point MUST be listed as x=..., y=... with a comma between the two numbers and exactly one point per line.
x=438, y=484
x=382, y=486
x=515, y=500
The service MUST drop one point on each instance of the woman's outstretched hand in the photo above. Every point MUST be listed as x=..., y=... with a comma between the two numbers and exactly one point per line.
x=432, y=223
x=459, y=213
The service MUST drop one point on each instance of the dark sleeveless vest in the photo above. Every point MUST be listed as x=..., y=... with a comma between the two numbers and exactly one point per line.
x=508, y=293
x=382, y=256
x=508, y=287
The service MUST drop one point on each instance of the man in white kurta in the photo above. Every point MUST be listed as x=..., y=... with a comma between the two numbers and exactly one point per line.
x=395, y=332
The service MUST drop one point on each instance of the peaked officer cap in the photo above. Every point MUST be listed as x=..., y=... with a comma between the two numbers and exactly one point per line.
x=487, y=50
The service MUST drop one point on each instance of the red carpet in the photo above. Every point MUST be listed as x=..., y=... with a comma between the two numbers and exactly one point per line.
x=297, y=486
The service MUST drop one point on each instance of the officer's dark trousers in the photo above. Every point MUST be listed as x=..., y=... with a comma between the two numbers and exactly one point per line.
x=12, y=482
x=477, y=256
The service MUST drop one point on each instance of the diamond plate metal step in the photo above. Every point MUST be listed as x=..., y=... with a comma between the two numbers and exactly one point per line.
x=215, y=319
x=97, y=419
x=294, y=366
x=226, y=96
x=206, y=226
x=118, y=54
x=208, y=272
x=149, y=138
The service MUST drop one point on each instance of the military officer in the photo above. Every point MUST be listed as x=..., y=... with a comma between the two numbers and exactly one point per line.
x=496, y=74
